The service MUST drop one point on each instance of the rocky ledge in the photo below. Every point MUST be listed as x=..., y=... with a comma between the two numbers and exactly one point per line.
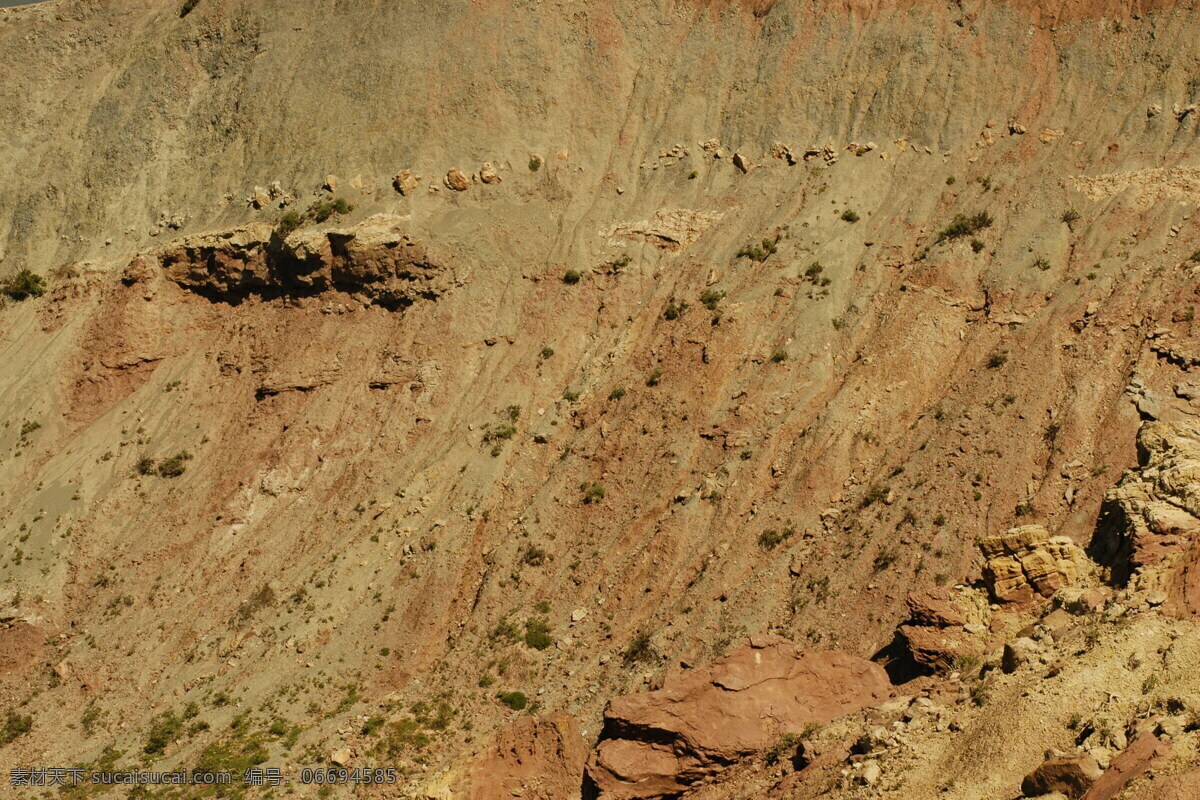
x=376, y=263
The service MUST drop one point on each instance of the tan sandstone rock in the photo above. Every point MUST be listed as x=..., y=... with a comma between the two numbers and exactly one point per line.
x=488, y=174
x=455, y=179
x=1027, y=562
x=406, y=182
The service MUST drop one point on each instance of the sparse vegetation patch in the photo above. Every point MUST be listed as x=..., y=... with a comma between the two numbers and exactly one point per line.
x=23, y=285
x=964, y=225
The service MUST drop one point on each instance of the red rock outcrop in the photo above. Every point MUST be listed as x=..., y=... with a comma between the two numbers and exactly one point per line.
x=1147, y=751
x=661, y=743
x=934, y=632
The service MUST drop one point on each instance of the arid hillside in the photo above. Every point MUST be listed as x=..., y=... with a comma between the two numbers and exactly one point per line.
x=480, y=389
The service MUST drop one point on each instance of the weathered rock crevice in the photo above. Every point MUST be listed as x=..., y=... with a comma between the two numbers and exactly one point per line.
x=1148, y=534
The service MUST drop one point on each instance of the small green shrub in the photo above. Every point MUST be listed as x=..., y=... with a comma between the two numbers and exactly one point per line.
x=164, y=730
x=977, y=245
x=401, y=736
x=571, y=395
x=30, y=427
x=188, y=7
x=289, y=222
x=779, y=356
x=537, y=633
x=849, y=215
x=514, y=700
x=654, y=377
x=571, y=277
x=174, y=466
x=1195, y=257
x=873, y=495
x=997, y=360
x=1041, y=263
x=964, y=225
x=968, y=664
x=709, y=298
x=616, y=394
x=1070, y=216
x=234, y=754
x=693, y=175
x=504, y=631
x=758, y=252
x=534, y=556
x=787, y=743
x=951, y=180
x=770, y=539
x=546, y=353
x=145, y=466
x=593, y=493
x=535, y=163
x=15, y=726
x=500, y=433
x=322, y=210
x=639, y=650
x=674, y=310
x=23, y=285
x=884, y=560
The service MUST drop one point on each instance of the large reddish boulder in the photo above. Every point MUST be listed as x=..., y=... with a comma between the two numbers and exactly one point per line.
x=935, y=608
x=934, y=632
x=661, y=743
x=1147, y=751
x=534, y=758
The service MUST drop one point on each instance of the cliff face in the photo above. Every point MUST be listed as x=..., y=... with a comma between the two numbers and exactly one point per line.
x=692, y=321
